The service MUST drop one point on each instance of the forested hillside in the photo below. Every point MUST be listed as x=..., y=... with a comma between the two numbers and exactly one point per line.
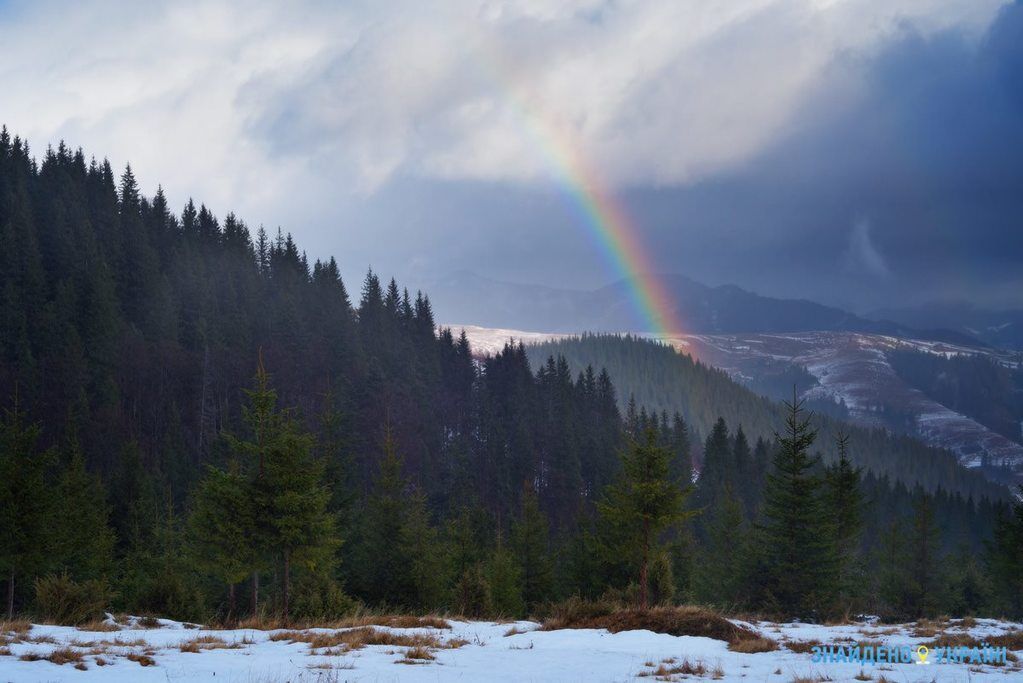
x=974, y=385
x=200, y=423
x=657, y=379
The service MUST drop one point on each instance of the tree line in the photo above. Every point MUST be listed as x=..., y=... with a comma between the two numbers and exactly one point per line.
x=372, y=459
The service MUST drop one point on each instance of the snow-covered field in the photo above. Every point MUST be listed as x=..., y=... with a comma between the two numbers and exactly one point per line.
x=471, y=651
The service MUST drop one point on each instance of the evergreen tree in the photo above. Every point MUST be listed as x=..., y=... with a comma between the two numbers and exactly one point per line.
x=530, y=545
x=223, y=528
x=844, y=504
x=294, y=500
x=26, y=503
x=725, y=562
x=505, y=578
x=794, y=536
x=82, y=542
x=1004, y=558
x=643, y=502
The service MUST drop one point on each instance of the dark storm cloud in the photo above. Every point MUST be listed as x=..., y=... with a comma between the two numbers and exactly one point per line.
x=912, y=192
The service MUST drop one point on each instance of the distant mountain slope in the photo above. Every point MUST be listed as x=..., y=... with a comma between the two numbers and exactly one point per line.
x=662, y=379
x=1001, y=329
x=726, y=309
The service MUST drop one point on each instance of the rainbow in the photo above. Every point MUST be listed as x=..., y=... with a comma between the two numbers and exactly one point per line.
x=603, y=216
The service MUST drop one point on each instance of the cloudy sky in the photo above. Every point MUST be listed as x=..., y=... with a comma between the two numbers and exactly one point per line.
x=859, y=152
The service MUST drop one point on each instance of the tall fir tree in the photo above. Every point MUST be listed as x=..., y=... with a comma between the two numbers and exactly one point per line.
x=26, y=503
x=643, y=502
x=794, y=535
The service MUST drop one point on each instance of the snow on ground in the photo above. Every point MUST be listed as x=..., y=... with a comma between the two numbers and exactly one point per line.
x=483, y=652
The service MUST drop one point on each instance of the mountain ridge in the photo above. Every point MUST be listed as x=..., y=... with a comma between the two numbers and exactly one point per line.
x=722, y=309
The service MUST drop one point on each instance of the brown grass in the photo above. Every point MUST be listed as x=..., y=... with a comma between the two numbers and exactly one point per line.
x=670, y=667
x=64, y=655
x=862, y=676
x=802, y=646
x=357, y=638
x=1013, y=640
x=5, y=652
x=676, y=621
x=148, y=622
x=355, y=621
x=19, y=626
x=100, y=661
x=207, y=642
x=514, y=631
x=121, y=642
x=99, y=626
x=419, y=652
x=753, y=646
x=142, y=659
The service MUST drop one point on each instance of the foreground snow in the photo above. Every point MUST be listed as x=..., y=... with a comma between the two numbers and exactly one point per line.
x=487, y=654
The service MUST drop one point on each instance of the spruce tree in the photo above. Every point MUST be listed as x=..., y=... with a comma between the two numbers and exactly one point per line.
x=82, y=542
x=643, y=502
x=722, y=573
x=1004, y=557
x=26, y=502
x=294, y=499
x=794, y=538
x=530, y=545
x=844, y=504
x=222, y=529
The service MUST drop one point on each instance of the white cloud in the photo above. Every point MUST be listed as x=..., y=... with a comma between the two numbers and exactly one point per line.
x=245, y=105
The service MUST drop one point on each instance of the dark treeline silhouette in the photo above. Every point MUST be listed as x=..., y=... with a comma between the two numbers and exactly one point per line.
x=201, y=424
x=656, y=378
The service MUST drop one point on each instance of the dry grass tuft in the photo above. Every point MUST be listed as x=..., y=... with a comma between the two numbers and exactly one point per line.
x=142, y=659
x=514, y=631
x=862, y=676
x=1012, y=640
x=207, y=642
x=753, y=646
x=19, y=626
x=98, y=626
x=802, y=646
x=670, y=667
x=64, y=655
x=5, y=652
x=148, y=623
x=420, y=653
x=357, y=638
x=676, y=621
x=122, y=642
x=100, y=661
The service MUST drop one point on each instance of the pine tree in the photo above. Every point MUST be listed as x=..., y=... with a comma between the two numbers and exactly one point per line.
x=1004, y=557
x=794, y=535
x=643, y=502
x=294, y=500
x=722, y=573
x=384, y=566
x=26, y=503
x=924, y=573
x=82, y=541
x=222, y=528
x=505, y=578
x=844, y=503
x=530, y=545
